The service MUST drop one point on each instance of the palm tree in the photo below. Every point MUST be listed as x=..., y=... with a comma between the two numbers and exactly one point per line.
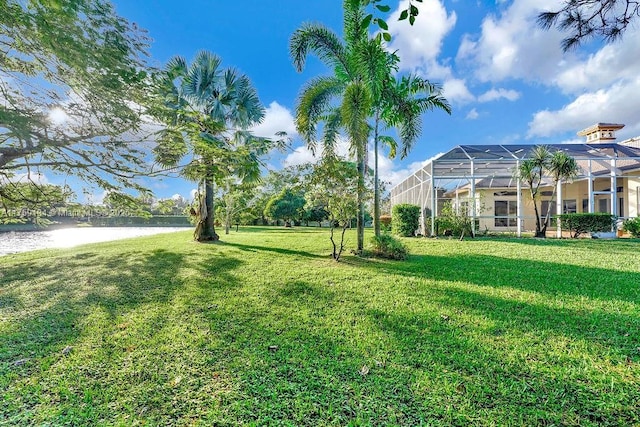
x=562, y=167
x=398, y=103
x=341, y=101
x=361, y=60
x=213, y=108
x=559, y=165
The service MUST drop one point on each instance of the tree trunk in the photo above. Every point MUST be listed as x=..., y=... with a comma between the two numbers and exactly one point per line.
x=539, y=232
x=376, y=183
x=547, y=216
x=205, y=231
x=360, y=199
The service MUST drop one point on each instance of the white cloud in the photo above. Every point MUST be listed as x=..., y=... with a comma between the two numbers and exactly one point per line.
x=473, y=114
x=572, y=141
x=303, y=154
x=512, y=45
x=618, y=103
x=421, y=43
x=95, y=198
x=614, y=62
x=496, y=94
x=300, y=156
x=389, y=173
x=57, y=116
x=420, y=46
x=277, y=118
x=456, y=91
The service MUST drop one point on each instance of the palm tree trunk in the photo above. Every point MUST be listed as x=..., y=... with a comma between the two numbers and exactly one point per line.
x=547, y=216
x=376, y=183
x=360, y=199
x=533, y=192
x=539, y=232
x=207, y=231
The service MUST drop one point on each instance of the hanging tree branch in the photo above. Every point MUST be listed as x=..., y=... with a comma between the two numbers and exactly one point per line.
x=588, y=19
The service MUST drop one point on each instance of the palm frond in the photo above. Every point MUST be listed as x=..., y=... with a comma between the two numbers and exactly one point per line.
x=355, y=109
x=390, y=142
x=314, y=100
x=356, y=29
x=331, y=131
x=319, y=40
x=176, y=67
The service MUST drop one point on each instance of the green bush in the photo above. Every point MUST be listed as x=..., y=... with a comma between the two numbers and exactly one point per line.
x=452, y=223
x=406, y=219
x=581, y=223
x=385, y=222
x=632, y=226
x=387, y=246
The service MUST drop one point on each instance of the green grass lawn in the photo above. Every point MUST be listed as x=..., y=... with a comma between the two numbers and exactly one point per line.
x=265, y=329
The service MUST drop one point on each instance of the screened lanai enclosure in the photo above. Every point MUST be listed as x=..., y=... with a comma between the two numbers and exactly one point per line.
x=481, y=181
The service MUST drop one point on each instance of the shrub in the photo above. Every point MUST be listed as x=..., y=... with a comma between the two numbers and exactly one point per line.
x=406, y=219
x=454, y=223
x=632, y=226
x=387, y=246
x=385, y=222
x=581, y=223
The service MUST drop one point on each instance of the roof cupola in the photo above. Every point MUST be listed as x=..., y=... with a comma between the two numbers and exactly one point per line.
x=600, y=132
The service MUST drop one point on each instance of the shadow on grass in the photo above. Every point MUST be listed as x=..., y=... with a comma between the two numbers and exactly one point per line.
x=282, y=251
x=553, y=279
x=279, y=229
x=603, y=244
x=487, y=383
x=302, y=361
x=295, y=350
x=45, y=310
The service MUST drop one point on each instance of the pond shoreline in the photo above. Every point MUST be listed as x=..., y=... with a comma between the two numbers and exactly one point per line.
x=6, y=228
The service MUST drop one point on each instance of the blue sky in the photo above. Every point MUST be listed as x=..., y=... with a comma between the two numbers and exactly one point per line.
x=507, y=80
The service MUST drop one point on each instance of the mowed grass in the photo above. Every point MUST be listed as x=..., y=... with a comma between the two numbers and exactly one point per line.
x=265, y=329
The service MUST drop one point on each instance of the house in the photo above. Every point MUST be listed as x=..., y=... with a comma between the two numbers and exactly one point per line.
x=481, y=180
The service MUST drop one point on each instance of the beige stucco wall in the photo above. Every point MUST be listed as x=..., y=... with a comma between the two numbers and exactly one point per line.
x=632, y=190
x=578, y=191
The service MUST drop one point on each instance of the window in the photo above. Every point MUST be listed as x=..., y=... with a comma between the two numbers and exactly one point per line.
x=464, y=209
x=544, y=208
x=585, y=205
x=621, y=207
x=603, y=205
x=505, y=212
x=569, y=206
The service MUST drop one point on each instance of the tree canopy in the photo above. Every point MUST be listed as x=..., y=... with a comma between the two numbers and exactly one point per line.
x=287, y=206
x=73, y=78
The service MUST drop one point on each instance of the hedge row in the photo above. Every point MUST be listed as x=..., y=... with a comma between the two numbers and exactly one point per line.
x=582, y=223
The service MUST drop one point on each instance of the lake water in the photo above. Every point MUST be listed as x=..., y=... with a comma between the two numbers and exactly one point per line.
x=23, y=241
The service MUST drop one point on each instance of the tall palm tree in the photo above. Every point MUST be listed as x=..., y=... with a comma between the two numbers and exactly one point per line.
x=340, y=101
x=208, y=111
x=398, y=103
